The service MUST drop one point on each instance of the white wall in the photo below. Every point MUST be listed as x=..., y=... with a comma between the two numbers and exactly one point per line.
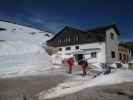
x=111, y=45
x=100, y=53
x=104, y=54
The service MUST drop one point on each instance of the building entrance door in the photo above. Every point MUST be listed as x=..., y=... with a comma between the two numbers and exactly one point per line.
x=79, y=57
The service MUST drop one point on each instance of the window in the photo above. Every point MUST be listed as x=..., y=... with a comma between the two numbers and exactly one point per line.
x=89, y=36
x=113, y=54
x=77, y=38
x=66, y=40
x=124, y=57
x=74, y=39
x=93, y=55
x=76, y=47
x=60, y=49
x=99, y=38
x=112, y=36
x=131, y=52
x=69, y=39
x=58, y=42
x=120, y=56
x=68, y=48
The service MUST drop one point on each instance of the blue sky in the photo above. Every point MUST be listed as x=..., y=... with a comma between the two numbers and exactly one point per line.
x=53, y=15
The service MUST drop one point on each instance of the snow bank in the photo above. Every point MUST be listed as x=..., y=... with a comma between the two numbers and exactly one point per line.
x=97, y=66
x=21, y=52
x=20, y=58
x=17, y=48
x=80, y=83
x=58, y=58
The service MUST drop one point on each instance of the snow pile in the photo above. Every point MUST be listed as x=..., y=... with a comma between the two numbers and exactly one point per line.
x=21, y=51
x=97, y=66
x=56, y=59
x=79, y=83
x=125, y=66
x=17, y=48
x=20, y=58
x=131, y=61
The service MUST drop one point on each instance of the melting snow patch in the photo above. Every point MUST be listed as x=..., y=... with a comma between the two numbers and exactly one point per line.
x=74, y=85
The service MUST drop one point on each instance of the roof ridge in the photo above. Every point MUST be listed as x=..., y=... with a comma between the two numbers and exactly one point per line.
x=101, y=27
x=70, y=27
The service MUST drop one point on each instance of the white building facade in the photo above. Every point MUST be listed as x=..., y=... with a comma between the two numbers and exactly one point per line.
x=94, y=52
x=105, y=51
x=111, y=46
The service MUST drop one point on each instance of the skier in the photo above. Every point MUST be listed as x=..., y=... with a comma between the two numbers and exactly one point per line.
x=84, y=66
x=70, y=63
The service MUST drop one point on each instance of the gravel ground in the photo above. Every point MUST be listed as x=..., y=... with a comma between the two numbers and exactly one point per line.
x=26, y=88
x=122, y=91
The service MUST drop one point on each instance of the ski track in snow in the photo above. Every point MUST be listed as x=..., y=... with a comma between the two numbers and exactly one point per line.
x=79, y=83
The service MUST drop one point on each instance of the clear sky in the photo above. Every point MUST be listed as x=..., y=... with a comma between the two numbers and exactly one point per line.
x=53, y=15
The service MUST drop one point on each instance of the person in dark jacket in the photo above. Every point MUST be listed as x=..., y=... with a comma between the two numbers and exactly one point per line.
x=84, y=66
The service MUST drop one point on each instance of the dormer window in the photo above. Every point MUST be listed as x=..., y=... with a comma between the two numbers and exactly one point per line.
x=112, y=36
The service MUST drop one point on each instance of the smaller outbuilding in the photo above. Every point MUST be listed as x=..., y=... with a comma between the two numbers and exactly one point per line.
x=130, y=54
x=123, y=52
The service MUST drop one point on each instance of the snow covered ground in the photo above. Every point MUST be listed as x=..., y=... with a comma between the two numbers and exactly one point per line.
x=21, y=51
x=20, y=58
x=78, y=83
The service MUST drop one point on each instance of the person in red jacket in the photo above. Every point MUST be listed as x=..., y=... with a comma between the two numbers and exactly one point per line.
x=70, y=63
